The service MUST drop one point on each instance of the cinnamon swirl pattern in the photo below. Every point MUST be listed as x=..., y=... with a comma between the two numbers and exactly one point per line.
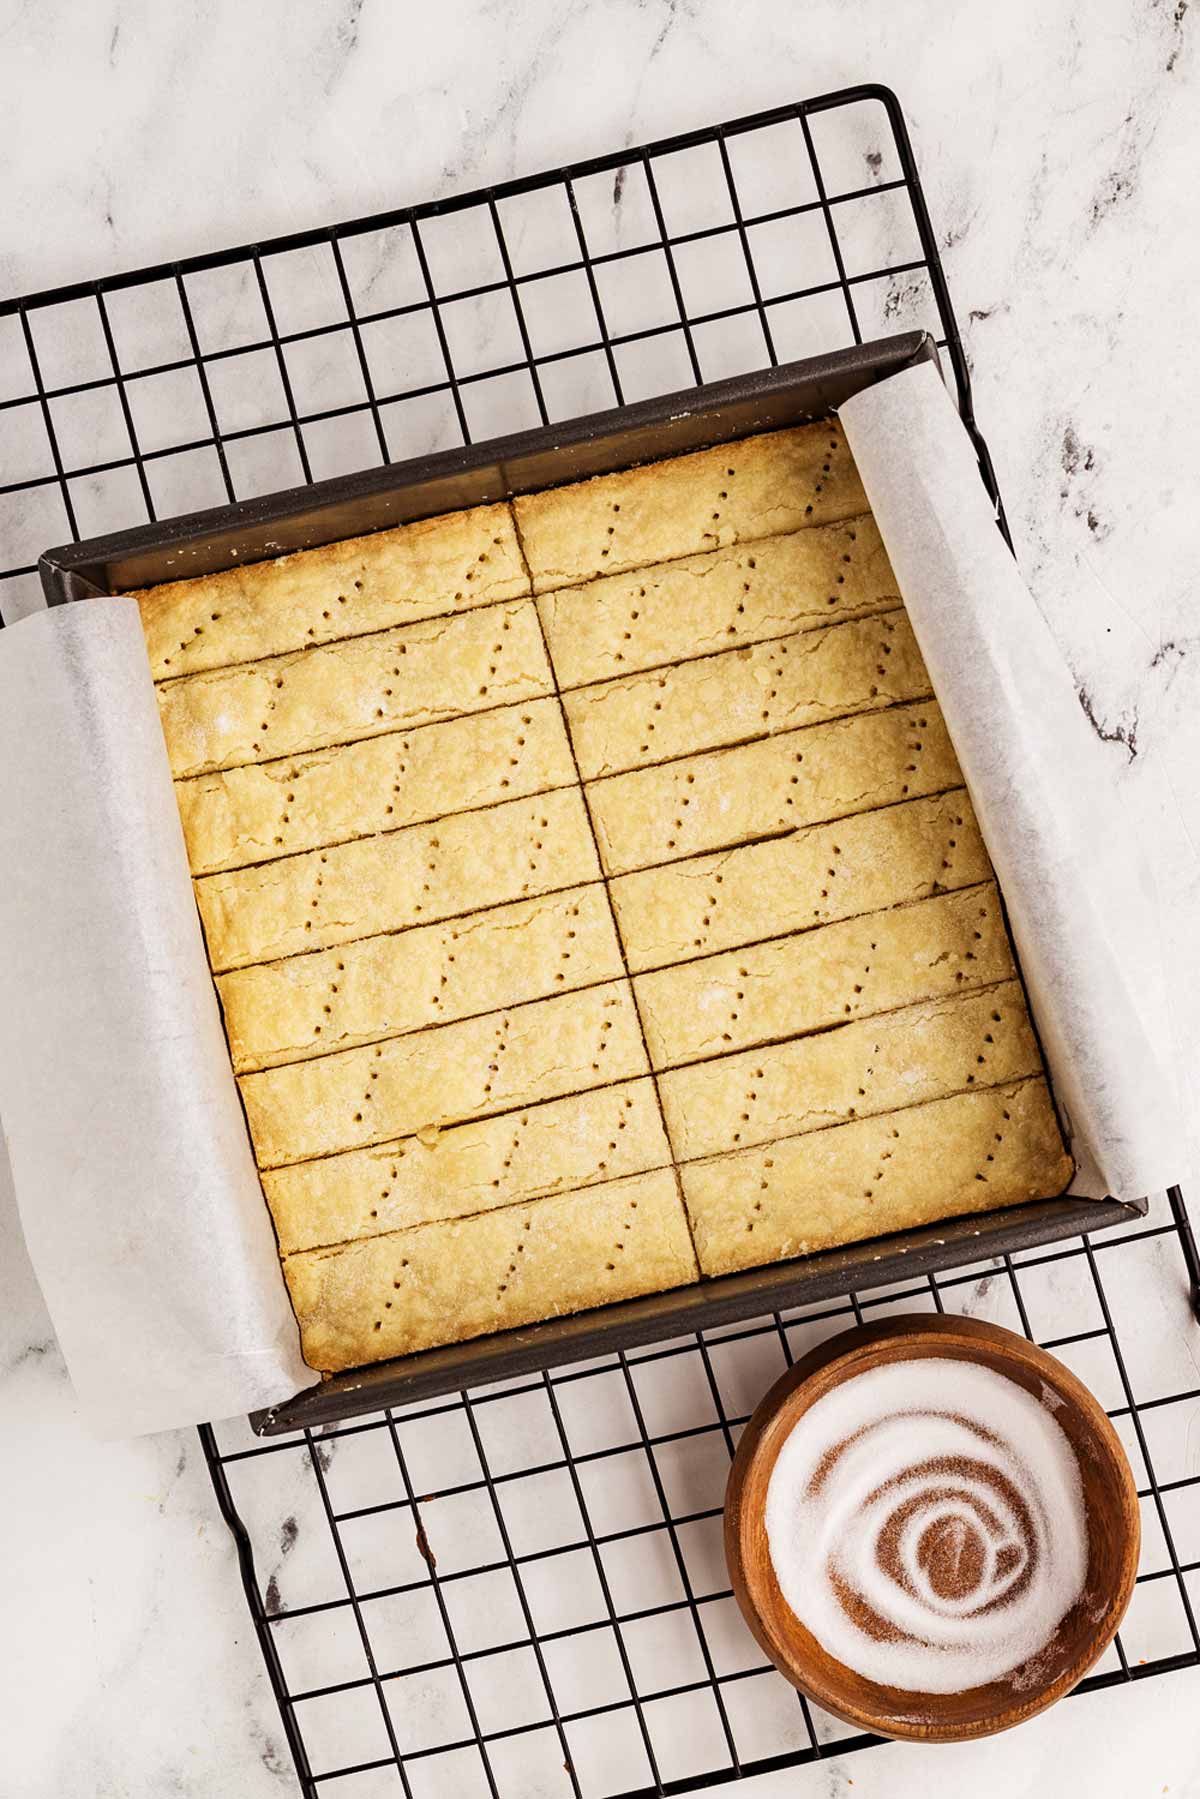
x=926, y=1523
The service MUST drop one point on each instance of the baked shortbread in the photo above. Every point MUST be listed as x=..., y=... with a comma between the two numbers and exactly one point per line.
x=593, y=898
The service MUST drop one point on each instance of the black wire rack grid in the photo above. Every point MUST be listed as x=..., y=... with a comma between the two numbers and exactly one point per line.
x=520, y=1592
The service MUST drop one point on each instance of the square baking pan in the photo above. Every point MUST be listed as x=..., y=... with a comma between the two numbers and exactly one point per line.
x=352, y=505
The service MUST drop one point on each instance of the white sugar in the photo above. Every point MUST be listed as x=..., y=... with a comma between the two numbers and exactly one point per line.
x=939, y=1504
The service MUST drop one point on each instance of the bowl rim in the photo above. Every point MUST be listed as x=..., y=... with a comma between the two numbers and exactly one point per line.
x=821, y=1369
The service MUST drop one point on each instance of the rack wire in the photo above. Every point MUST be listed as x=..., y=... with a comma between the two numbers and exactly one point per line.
x=520, y=1592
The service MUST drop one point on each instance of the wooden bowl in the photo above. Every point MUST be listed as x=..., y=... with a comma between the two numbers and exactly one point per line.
x=1110, y=1504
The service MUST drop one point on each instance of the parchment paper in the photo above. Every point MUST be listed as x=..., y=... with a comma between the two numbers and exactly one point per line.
x=1078, y=887
x=134, y=1176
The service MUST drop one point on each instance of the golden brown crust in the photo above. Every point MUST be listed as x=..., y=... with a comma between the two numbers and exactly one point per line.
x=869, y=1066
x=652, y=816
x=340, y=590
x=968, y=1153
x=795, y=883
x=366, y=687
x=271, y=809
x=416, y=876
x=620, y=624
x=555, y=1147
x=431, y=1079
x=771, y=991
x=449, y=1281
x=385, y=986
x=863, y=665
x=760, y=487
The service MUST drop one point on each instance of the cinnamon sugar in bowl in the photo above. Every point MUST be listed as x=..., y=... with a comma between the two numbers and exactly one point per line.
x=931, y=1528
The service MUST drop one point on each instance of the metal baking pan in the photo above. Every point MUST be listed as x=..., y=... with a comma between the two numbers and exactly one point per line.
x=351, y=505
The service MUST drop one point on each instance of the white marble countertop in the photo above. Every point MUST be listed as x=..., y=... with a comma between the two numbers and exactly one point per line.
x=1057, y=146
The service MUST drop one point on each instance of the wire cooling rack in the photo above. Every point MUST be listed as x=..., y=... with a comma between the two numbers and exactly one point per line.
x=520, y=1593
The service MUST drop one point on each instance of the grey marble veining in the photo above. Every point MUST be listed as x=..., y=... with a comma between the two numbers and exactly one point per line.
x=1058, y=146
